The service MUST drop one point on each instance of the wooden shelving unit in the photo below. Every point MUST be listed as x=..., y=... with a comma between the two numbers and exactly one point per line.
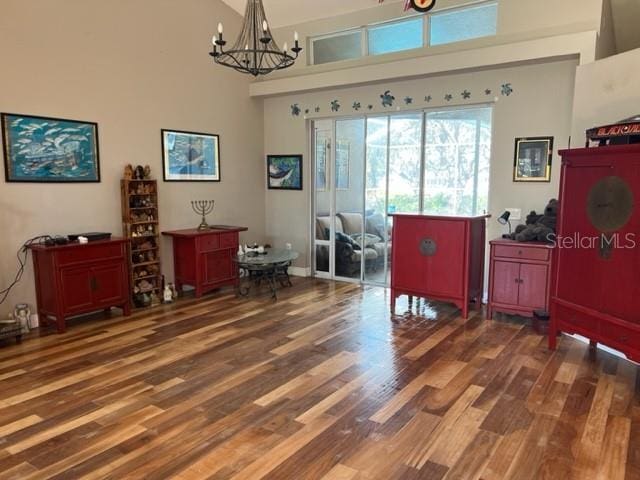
x=140, y=225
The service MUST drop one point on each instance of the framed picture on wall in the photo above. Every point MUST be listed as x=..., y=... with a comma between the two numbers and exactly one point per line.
x=49, y=150
x=342, y=164
x=284, y=172
x=533, y=157
x=190, y=156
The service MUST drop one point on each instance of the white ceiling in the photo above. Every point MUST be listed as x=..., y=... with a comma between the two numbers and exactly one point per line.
x=292, y=12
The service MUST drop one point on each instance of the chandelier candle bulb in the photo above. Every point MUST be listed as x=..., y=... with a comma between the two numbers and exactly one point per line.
x=220, y=29
x=265, y=26
x=286, y=47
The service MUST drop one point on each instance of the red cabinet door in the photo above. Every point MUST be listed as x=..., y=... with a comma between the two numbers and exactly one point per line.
x=407, y=270
x=533, y=286
x=217, y=266
x=622, y=268
x=76, y=289
x=107, y=286
x=445, y=269
x=506, y=277
x=578, y=259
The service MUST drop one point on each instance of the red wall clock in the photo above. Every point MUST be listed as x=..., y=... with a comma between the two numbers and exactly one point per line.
x=423, y=5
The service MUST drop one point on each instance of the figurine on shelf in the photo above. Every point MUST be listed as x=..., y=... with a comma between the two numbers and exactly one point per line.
x=145, y=286
x=128, y=172
x=151, y=256
x=139, y=173
x=147, y=172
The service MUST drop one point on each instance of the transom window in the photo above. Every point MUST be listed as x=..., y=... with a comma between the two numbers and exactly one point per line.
x=439, y=28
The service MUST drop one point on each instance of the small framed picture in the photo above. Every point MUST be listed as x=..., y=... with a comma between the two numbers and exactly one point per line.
x=533, y=157
x=49, y=150
x=190, y=156
x=284, y=172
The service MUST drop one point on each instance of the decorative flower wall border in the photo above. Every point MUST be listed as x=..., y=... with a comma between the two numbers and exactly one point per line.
x=388, y=100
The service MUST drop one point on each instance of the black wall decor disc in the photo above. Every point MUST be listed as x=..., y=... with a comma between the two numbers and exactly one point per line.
x=610, y=204
x=423, y=5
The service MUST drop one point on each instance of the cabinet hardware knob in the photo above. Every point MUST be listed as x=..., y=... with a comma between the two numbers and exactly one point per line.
x=519, y=252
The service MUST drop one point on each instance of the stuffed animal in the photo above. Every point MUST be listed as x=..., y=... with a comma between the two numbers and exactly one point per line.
x=147, y=172
x=539, y=228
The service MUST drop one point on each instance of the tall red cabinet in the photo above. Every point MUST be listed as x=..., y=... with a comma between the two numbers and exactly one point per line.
x=597, y=269
x=438, y=257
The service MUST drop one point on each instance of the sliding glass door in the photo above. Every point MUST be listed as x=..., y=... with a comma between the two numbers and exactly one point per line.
x=323, y=225
x=432, y=162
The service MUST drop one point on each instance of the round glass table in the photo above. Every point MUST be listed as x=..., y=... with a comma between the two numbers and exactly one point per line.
x=272, y=267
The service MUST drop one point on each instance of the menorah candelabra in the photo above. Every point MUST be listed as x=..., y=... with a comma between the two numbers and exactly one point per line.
x=204, y=208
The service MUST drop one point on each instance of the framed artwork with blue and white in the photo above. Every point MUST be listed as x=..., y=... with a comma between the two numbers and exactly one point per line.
x=190, y=156
x=284, y=172
x=49, y=150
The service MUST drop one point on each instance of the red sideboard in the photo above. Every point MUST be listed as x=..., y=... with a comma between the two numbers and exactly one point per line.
x=597, y=285
x=519, y=277
x=75, y=279
x=203, y=259
x=438, y=257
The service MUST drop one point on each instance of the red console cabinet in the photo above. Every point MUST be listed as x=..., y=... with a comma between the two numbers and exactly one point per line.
x=203, y=259
x=437, y=257
x=77, y=278
x=519, y=277
x=596, y=288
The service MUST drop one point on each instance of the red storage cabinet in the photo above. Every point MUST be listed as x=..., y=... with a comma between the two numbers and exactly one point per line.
x=438, y=257
x=205, y=259
x=597, y=267
x=77, y=278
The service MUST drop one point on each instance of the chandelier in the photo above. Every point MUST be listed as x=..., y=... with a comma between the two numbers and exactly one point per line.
x=255, y=51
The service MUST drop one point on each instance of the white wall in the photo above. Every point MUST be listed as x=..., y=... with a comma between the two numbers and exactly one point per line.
x=606, y=92
x=540, y=105
x=134, y=67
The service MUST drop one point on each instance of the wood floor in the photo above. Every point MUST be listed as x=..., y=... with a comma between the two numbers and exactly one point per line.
x=323, y=384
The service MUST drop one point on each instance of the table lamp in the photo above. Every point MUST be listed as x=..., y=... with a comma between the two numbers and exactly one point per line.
x=504, y=220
